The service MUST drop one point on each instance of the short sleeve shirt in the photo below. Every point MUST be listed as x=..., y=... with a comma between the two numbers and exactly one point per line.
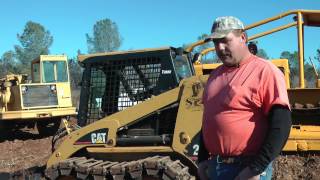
x=236, y=103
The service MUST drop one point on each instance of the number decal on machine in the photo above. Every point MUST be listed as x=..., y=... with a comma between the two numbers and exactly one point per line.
x=195, y=149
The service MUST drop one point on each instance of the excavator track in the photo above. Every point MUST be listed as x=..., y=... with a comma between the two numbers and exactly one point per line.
x=155, y=167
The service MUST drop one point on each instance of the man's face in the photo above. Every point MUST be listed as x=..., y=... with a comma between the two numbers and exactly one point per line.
x=230, y=49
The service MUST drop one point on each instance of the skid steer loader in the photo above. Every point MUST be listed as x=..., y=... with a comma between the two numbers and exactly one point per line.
x=42, y=100
x=141, y=112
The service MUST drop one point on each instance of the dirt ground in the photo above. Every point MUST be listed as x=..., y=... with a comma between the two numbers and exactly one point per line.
x=24, y=150
x=289, y=167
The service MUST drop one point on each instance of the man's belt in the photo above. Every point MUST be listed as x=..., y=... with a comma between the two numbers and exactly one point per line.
x=233, y=159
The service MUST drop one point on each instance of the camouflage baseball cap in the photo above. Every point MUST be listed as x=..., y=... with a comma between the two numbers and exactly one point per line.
x=222, y=26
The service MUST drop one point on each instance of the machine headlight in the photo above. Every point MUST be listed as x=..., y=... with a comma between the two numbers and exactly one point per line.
x=24, y=89
x=53, y=88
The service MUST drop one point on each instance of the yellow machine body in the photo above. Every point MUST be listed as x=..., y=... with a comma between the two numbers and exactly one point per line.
x=43, y=97
x=177, y=111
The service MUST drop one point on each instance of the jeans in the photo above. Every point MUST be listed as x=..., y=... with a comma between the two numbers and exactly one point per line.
x=224, y=171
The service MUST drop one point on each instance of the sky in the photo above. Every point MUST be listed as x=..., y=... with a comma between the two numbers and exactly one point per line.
x=148, y=23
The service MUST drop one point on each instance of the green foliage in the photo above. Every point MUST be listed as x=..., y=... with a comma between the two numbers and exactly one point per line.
x=75, y=72
x=105, y=37
x=310, y=75
x=292, y=57
x=293, y=65
x=317, y=57
x=262, y=53
x=7, y=63
x=35, y=40
x=309, y=72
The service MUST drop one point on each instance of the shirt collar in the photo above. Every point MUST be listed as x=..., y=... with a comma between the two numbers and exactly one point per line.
x=242, y=62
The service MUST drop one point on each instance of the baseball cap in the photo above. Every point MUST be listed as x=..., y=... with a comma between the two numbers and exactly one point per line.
x=222, y=26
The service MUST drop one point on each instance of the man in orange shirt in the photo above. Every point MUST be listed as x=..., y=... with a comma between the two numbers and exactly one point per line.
x=246, y=119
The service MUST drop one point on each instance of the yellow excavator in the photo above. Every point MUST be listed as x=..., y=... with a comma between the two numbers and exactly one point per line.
x=141, y=112
x=42, y=100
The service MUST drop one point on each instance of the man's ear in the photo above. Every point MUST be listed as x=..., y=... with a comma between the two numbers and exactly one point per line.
x=243, y=37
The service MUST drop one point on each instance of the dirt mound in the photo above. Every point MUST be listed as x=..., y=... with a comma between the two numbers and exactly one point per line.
x=289, y=167
x=23, y=149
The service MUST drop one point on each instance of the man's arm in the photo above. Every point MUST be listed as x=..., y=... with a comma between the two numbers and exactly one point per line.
x=203, y=156
x=279, y=119
x=203, y=152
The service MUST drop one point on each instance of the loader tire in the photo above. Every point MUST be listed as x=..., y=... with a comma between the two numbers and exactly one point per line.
x=48, y=127
x=151, y=168
x=6, y=127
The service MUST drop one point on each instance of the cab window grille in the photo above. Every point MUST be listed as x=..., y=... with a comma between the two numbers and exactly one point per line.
x=118, y=84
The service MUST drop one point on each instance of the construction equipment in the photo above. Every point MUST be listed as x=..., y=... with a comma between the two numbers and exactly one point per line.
x=141, y=113
x=43, y=100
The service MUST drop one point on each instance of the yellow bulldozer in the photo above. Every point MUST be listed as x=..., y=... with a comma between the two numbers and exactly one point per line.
x=141, y=112
x=42, y=100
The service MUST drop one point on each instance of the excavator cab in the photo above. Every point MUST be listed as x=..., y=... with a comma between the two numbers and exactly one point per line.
x=50, y=70
x=115, y=81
